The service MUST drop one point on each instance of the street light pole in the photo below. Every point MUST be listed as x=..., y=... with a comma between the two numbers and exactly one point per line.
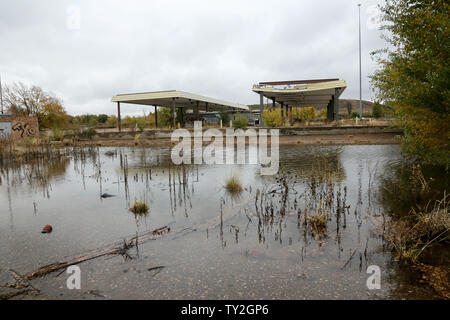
x=360, y=78
x=1, y=96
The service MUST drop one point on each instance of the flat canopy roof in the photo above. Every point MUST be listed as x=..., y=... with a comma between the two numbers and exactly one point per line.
x=182, y=100
x=300, y=93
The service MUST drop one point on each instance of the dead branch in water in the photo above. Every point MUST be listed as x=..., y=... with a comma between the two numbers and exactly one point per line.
x=115, y=248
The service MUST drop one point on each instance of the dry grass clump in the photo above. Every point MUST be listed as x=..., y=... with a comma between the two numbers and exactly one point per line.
x=233, y=184
x=410, y=236
x=318, y=222
x=139, y=208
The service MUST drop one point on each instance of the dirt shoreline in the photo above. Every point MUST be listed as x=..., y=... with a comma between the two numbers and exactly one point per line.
x=316, y=139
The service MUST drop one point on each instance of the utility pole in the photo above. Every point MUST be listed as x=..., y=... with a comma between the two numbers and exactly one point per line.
x=360, y=78
x=1, y=96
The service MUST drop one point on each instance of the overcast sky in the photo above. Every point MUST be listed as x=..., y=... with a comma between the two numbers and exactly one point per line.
x=214, y=48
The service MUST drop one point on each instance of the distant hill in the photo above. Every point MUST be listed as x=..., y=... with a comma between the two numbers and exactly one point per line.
x=346, y=106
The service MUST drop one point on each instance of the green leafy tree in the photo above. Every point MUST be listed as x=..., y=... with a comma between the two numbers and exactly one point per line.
x=414, y=74
x=165, y=117
x=224, y=115
x=102, y=118
x=377, y=110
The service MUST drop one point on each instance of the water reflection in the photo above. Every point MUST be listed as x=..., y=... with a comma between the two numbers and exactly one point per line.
x=272, y=217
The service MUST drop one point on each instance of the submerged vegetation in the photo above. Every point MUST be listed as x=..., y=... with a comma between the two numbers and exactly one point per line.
x=416, y=200
x=233, y=184
x=139, y=208
x=413, y=234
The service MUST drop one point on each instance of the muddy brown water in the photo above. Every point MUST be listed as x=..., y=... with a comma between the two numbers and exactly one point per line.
x=253, y=245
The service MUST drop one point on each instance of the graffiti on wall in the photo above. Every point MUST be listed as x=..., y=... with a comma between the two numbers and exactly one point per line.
x=25, y=129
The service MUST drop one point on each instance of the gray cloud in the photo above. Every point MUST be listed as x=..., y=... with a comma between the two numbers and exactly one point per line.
x=218, y=49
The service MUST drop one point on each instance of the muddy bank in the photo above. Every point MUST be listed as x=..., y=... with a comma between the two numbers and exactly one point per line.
x=288, y=138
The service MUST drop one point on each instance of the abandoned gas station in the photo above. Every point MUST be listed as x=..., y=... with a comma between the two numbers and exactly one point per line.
x=175, y=100
x=318, y=93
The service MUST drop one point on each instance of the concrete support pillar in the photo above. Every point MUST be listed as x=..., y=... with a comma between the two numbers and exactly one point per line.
x=282, y=110
x=174, y=122
x=336, y=104
x=330, y=110
x=273, y=103
x=156, y=116
x=261, y=108
x=118, y=116
x=181, y=116
x=196, y=111
x=291, y=116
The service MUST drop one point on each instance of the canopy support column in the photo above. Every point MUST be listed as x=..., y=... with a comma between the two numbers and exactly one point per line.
x=156, y=117
x=261, y=108
x=336, y=104
x=291, y=116
x=118, y=116
x=196, y=111
x=174, y=122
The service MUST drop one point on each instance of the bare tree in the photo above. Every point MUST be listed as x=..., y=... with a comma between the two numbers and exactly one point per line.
x=24, y=100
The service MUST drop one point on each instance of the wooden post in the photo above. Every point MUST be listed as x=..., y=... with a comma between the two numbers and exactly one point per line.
x=118, y=116
x=156, y=117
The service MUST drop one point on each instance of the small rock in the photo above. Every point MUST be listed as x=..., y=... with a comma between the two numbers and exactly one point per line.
x=47, y=229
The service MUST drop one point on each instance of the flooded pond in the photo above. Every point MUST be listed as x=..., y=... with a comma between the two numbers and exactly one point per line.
x=259, y=244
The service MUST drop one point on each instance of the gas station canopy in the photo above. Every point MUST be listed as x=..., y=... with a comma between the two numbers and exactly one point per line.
x=179, y=99
x=174, y=99
x=300, y=93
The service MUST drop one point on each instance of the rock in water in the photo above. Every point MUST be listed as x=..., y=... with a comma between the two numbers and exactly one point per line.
x=47, y=229
x=106, y=195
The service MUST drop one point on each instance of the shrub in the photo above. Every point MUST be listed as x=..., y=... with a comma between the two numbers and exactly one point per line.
x=240, y=122
x=87, y=133
x=140, y=124
x=305, y=113
x=322, y=114
x=57, y=135
x=112, y=121
x=354, y=115
x=377, y=110
x=272, y=118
